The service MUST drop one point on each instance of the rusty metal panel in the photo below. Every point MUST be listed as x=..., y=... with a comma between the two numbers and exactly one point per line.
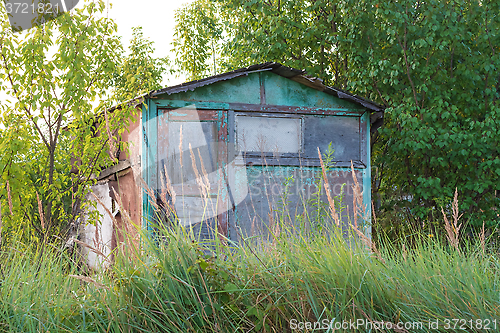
x=266, y=134
x=343, y=132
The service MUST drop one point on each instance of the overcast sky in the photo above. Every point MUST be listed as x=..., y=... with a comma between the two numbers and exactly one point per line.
x=157, y=20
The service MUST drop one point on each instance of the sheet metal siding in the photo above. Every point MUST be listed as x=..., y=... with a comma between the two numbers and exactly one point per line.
x=238, y=90
x=261, y=212
x=283, y=97
x=276, y=68
x=280, y=91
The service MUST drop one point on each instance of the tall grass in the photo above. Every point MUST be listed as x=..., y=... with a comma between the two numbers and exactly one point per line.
x=300, y=280
x=174, y=286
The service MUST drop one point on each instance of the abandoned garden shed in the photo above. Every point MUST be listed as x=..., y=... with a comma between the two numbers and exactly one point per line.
x=233, y=151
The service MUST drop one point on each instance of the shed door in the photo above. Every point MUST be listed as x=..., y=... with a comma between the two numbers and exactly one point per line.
x=192, y=153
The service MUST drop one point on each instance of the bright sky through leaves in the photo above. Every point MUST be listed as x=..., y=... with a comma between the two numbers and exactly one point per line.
x=157, y=20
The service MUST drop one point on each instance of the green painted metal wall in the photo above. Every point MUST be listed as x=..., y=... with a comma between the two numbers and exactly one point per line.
x=282, y=91
x=264, y=90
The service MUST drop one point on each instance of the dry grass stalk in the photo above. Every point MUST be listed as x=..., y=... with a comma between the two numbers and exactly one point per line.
x=405, y=254
x=181, y=165
x=453, y=229
x=96, y=237
x=89, y=280
x=357, y=202
x=131, y=238
x=327, y=190
x=274, y=227
x=204, y=189
x=206, y=183
x=193, y=162
x=373, y=213
x=170, y=189
x=167, y=188
x=203, y=186
x=163, y=193
x=204, y=171
x=151, y=195
x=357, y=197
x=93, y=249
x=9, y=197
x=368, y=243
x=115, y=223
x=123, y=211
x=40, y=210
x=358, y=207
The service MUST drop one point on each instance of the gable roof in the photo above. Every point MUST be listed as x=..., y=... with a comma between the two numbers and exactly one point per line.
x=297, y=75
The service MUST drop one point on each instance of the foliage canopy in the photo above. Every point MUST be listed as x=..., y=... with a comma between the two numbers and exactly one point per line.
x=433, y=64
x=59, y=77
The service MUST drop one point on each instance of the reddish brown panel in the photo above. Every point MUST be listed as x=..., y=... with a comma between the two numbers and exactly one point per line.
x=128, y=220
x=132, y=138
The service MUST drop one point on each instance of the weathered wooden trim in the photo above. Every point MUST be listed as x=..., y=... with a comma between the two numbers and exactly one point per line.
x=120, y=166
x=363, y=135
x=190, y=115
x=222, y=200
x=314, y=83
x=297, y=110
x=250, y=160
x=230, y=176
x=231, y=135
x=123, y=172
x=268, y=114
x=174, y=104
